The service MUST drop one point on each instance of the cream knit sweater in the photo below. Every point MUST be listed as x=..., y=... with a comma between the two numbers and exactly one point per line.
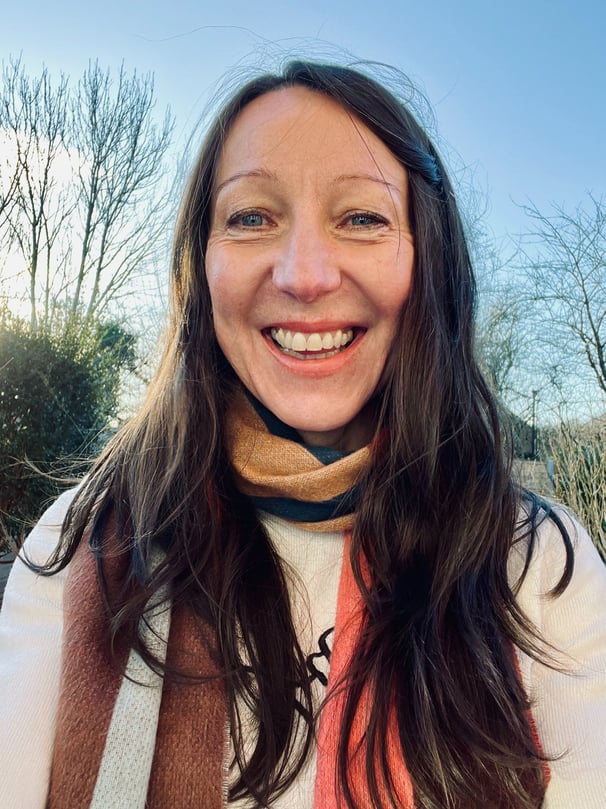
x=569, y=709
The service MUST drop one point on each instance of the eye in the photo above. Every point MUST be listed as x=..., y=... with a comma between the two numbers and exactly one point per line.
x=365, y=219
x=247, y=219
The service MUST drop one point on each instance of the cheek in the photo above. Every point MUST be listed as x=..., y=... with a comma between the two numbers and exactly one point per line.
x=213, y=271
x=393, y=289
x=228, y=303
x=220, y=305
x=221, y=286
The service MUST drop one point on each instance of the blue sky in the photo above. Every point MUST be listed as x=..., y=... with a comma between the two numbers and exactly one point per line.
x=518, y=88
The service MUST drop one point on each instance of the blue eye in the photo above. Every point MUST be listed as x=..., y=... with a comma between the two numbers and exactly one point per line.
x=251, y=220
x=246, y=219
x=364, y=220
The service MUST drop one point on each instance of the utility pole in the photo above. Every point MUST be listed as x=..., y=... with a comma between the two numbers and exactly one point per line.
x=533, y=425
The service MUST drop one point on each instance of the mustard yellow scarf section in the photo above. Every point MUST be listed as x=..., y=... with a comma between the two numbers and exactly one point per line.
x=314, y=487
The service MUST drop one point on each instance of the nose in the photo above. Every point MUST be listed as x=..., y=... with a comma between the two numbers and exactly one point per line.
x=307, y=267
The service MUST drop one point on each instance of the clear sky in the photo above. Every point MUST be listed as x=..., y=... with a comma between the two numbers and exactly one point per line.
x=517, y=87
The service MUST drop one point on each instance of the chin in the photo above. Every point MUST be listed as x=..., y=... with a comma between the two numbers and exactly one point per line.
x=348, y=437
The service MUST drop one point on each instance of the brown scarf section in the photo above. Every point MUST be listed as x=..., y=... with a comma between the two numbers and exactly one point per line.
x=190, y=745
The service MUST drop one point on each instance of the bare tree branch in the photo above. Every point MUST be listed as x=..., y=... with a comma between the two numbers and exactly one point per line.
x=81, y=206
x=34, y=122
x=121, y=151
x=565, y=263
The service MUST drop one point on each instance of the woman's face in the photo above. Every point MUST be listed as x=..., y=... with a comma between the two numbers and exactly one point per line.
x=309, y=261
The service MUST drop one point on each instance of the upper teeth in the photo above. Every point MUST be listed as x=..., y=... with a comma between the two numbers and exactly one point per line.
x=297, y=341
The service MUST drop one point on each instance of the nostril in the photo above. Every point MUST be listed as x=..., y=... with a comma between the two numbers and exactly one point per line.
x=306, y=284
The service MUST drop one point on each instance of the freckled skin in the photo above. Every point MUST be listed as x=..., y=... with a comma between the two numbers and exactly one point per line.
x=310, y=233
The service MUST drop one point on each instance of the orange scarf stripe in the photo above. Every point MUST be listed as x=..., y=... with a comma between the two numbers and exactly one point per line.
x=327, y=794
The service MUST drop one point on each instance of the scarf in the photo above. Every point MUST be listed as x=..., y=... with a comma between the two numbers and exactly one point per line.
x=125, y=739
x=313, y=486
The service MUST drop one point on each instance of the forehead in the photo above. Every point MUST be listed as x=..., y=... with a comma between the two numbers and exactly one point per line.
x=297, y=127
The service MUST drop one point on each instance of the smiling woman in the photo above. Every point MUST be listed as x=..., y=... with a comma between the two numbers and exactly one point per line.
x=302, y=576
x=309, y=244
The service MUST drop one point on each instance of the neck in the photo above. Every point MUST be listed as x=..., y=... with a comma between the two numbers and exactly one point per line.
x=353, y=436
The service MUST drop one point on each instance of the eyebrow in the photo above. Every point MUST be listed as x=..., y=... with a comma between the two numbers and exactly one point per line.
x=342, y=178
x=264, y=174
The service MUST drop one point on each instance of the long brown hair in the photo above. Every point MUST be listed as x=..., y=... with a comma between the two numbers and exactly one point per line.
x=435, y=525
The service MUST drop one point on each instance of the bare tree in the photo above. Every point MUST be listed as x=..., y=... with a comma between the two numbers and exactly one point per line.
x=82, y=205
x=501, y=341
x=503, y=346
x=121, y=152
x=34, y=121
x=565, y=258
x=9, y=172
x=501, y=320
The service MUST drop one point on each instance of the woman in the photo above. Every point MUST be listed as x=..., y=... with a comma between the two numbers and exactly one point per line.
x=302, y=575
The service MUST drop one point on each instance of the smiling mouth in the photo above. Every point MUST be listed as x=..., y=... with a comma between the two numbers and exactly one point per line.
x=314, y=346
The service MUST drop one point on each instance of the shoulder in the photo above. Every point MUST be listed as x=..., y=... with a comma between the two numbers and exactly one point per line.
x=31, y=633
x=45, y=535
x=573, y=621
x=568, y=699
x=561, y=619
x=37, y=549
x=549, y=554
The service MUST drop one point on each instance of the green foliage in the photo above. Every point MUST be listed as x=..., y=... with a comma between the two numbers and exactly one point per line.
x=58, y=400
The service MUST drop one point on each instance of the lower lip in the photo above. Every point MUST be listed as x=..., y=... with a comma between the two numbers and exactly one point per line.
x=318, y=364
